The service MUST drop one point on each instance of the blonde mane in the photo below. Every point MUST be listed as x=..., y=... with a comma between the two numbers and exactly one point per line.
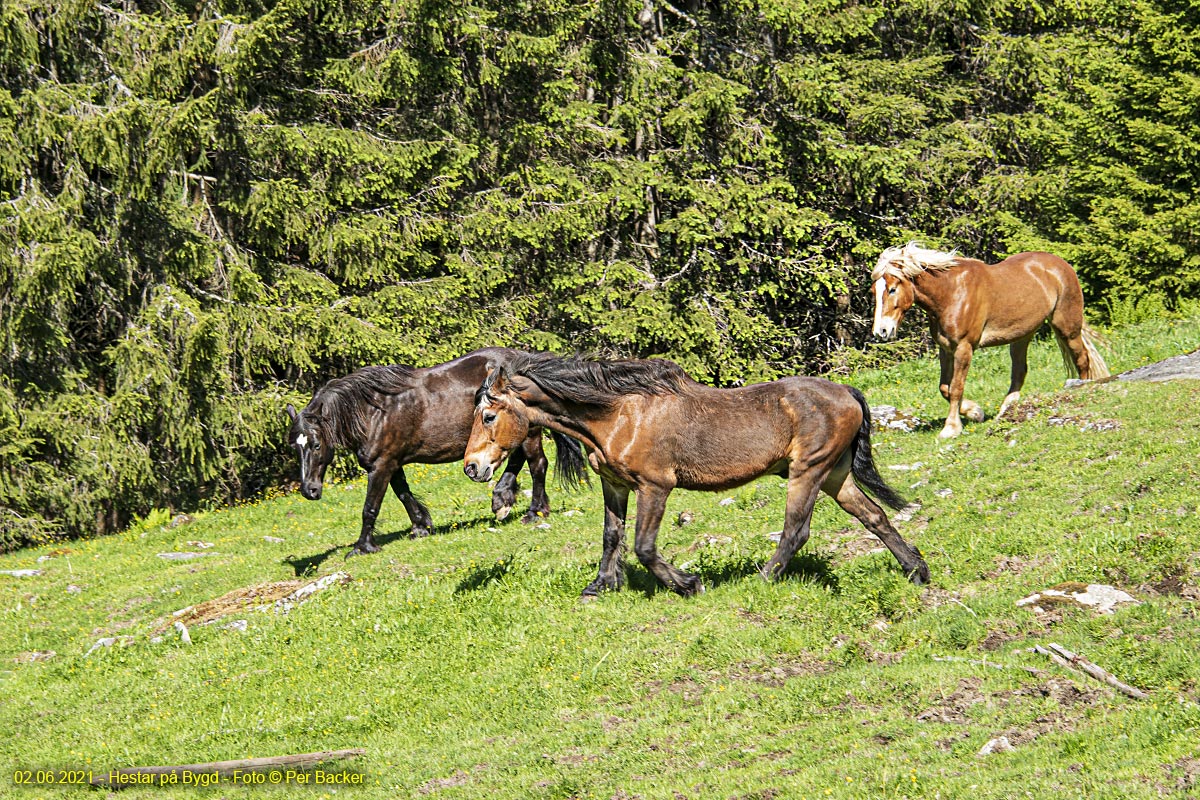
x=911, y=260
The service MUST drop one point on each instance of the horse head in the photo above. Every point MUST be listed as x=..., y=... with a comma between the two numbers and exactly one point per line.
x=501, y=423
x=308, y=436
x=893, y=278
x=893, y=290
x=893, y=296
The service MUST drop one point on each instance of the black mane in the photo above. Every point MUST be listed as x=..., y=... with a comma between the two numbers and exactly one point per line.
x=581, y=380
x=341, y=407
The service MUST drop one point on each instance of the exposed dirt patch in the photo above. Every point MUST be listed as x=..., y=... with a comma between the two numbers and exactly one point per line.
x=1001, y=634
x=753, y=617
x=572, y=759
x=933, y=598
x=459, y=778
x=954, y=706
x=1014, y=565
x=1064, y=693
x=873, y=656
x=1183, y=775
x=777, y=673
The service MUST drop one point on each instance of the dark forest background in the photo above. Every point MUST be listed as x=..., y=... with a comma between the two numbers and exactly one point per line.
x=207, y=209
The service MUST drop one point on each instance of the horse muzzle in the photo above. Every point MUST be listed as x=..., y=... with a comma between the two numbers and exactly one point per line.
x=478, y=471
x=885, y=329
x=312, y=492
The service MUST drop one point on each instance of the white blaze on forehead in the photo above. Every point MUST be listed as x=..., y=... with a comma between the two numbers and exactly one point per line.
x=302, y=440
x=880, y=288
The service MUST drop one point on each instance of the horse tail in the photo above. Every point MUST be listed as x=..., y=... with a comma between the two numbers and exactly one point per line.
x=863, y=466
x=1096, y=366
x=570, y=467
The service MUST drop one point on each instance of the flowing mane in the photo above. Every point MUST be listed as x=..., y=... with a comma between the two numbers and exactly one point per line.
x=582, y=380
x=912, y=259
x=341, y=407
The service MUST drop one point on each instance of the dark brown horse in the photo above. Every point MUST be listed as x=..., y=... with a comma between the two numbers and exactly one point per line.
x=971, y=304
x=392, y=416
x=650, y=428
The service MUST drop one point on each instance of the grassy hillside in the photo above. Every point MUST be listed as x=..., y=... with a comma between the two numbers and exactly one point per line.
x=466, y=666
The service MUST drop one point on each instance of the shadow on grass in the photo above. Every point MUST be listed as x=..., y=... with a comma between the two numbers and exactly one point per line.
x=804, y=568
x=308, y=565
x=485, y=575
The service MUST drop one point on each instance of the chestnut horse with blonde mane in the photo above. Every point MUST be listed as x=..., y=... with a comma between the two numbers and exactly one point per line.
x=649, y=428
x=971, y=304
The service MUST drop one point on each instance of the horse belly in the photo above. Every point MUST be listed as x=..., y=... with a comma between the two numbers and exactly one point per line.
x=727, y=471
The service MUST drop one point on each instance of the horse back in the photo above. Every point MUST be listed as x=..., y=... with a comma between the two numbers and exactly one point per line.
x=993, y=304
x=715, y=439
x=430, y=419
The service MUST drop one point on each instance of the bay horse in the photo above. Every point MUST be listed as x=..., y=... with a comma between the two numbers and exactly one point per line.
x=396, y=415
x=649, y=428
x=971, y=304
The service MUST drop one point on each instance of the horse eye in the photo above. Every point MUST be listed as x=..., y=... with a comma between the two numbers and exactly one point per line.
x=892, y=290
x=489, y=418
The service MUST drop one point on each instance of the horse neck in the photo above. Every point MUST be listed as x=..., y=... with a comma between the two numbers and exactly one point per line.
x=932, y=289
x=577, y=420
x=350, y=426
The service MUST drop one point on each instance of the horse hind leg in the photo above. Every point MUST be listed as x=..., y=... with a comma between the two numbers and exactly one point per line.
x=841, y=487
x=1019, y=352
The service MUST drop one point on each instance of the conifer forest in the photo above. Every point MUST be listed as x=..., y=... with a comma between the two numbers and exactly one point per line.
x=208, y=208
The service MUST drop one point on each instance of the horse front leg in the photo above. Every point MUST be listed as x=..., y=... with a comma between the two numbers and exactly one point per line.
x=959, y=363
x=535, y=454
x=377, y=485
x=418, y=514
x=611, y=574
x=504, y=496
x=801, y=497
x=651, y=503
x=1019, y=352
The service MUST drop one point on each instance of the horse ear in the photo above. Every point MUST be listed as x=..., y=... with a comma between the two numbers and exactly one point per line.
x=291, y=412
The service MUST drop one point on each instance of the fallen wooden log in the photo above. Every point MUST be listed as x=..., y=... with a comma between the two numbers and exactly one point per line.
x=1065, y=658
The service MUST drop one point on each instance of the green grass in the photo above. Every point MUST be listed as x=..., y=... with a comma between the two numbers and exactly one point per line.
x=466, y=666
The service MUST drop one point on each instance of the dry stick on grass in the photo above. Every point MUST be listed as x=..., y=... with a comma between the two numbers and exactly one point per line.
x=226, y=768
x=1064, y=657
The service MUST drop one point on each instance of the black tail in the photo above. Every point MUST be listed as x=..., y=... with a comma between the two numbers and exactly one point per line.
x=864, y=464
x=570, y=467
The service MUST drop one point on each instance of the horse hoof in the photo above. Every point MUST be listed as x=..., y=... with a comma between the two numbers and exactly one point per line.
x=949, y=433
x=361, y=550
x=419, y=532
x=503, y=512
x=588, y=598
